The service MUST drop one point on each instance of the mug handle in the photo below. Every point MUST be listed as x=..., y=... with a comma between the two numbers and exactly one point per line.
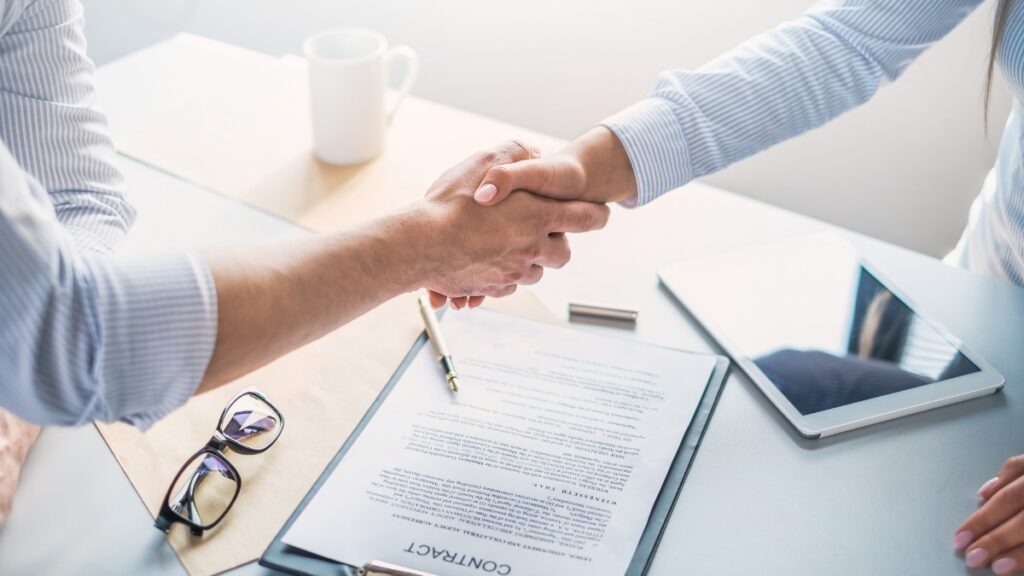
x=412, y=67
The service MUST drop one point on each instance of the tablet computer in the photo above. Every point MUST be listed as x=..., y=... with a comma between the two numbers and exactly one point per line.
x=829, y=341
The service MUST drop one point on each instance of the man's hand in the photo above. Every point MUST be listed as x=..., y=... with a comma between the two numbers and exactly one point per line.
x=275, y=299
x=593, y=168
x=489, y=251
x=994, y=535
x=16, y=437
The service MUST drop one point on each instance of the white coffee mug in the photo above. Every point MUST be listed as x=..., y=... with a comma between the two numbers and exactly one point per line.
x=348, y=77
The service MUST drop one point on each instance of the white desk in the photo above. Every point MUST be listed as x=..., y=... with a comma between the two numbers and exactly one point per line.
x=759, y=500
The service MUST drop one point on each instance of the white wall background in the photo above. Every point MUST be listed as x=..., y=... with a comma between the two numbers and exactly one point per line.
x=903, y=168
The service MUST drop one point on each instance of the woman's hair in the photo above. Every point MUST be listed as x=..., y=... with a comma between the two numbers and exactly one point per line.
x=998, y=31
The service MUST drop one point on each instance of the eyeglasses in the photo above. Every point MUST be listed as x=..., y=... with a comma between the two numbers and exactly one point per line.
x=207, y=486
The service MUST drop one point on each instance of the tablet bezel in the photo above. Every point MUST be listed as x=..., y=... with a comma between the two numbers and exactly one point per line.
x=850, y=416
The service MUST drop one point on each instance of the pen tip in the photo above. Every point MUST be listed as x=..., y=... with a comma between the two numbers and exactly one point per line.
x=453, y=383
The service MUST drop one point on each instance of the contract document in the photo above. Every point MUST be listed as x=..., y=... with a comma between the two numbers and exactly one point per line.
x=547, y=461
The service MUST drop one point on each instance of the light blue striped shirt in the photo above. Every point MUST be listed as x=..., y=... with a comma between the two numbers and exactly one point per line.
x=84, y=334
x=803, y=74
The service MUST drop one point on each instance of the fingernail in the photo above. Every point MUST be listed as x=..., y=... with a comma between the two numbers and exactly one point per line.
x=486, y=193
x=976, y=558
x=1004, y=566
x=983, y=491
x=962, y=539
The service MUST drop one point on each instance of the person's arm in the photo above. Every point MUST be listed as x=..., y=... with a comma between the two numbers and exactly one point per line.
x=55, y=132
x=771, y=88
x=52, y=126
x=88, y=336
x=295, y=293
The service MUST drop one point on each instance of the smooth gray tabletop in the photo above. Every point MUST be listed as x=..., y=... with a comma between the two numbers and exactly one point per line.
x=759, y=500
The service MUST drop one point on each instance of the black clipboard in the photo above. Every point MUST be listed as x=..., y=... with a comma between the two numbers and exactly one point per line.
x=280, y=556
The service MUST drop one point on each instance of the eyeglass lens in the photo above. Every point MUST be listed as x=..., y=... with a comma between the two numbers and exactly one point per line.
x=252, y=422
x=204, y=490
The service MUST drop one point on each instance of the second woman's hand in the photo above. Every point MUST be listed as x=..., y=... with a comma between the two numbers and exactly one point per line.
x=594, y=168
x=994, y=534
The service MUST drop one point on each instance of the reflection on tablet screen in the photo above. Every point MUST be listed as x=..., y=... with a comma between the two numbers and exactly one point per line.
x=885, y=348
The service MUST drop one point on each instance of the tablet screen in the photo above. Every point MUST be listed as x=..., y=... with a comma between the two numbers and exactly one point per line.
x=821, y=326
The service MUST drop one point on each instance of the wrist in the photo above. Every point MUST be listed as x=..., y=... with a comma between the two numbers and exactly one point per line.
x=411, y=244
x=605, y=165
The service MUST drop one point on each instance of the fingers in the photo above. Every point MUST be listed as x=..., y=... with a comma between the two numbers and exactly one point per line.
x=500, y=181
x=469, y=173
x=437, y=300
x=558, y=176
x=512, y=151
x=476, y=301
x=996, y=510
x=506, y=153
x=1010, y=562
x=996, y=528
x=532, y=276
x=997, y=543
x=1011, y=470
x=506, y=291
x=577, y=216
x=555, y=253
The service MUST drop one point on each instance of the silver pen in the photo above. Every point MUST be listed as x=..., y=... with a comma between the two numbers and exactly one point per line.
x=437, y=341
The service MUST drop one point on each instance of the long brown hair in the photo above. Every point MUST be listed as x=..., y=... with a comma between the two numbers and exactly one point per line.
x=998, y=31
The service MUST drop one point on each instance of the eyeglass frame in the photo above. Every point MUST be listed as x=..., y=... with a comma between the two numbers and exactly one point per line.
x=215, y=446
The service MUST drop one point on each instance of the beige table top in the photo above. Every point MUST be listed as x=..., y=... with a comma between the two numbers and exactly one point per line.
x=238, y=122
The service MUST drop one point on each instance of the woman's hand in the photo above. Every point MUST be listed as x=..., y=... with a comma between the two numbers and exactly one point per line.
x=593, y=168
x=994, y=535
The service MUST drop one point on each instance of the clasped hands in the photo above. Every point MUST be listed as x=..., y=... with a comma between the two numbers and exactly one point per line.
x=521, y=206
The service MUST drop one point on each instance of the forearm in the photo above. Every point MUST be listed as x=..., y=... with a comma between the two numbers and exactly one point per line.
x=273, y=300
x=776, y=86
x=73, y=344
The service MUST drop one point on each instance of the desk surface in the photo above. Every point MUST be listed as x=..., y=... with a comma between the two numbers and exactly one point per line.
x=760, y=499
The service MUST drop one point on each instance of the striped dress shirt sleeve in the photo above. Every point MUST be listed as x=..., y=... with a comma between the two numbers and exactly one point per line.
x=84, y=335
x=50, y=126
x=776, y=86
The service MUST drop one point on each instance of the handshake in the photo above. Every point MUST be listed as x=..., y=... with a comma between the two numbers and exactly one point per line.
x=497, y=219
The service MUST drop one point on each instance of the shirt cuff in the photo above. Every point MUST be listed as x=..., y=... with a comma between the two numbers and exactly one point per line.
x=656, y=145
x=157, y=314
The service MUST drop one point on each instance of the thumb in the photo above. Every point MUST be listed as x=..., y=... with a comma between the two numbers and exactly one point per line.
x=536, y=175
x=577, y=216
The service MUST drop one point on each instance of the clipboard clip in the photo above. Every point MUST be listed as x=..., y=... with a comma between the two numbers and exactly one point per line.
x=378, y=568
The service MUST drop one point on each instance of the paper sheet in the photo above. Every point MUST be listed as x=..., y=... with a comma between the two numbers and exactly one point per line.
x=547, y=461
x=322, y=390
